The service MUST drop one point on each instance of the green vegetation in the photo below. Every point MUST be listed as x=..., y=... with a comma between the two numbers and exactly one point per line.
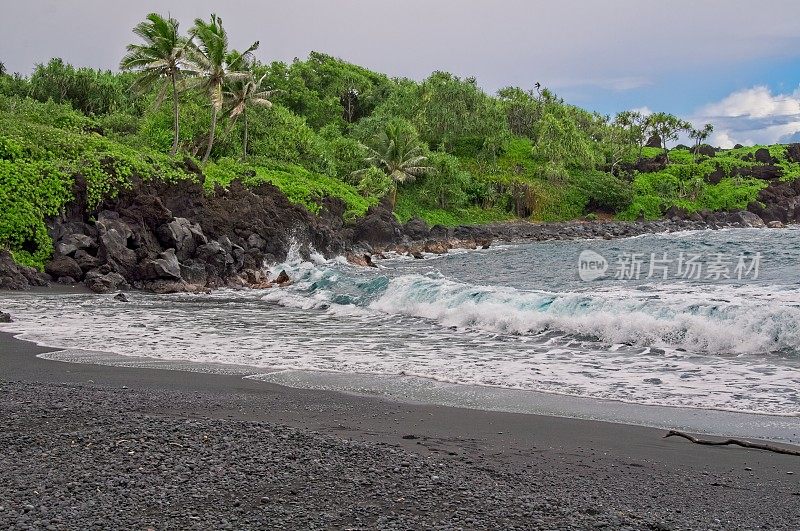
x=441, y=148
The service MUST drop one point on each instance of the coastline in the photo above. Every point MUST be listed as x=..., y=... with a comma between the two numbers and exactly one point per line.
x=414, y=390
x=579, y=472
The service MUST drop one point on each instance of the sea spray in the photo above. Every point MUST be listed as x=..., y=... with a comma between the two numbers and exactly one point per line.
x=514, y=318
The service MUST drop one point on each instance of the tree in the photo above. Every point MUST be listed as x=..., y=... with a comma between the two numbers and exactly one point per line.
x=621, y=135
x=560, y=144
x=243, y=93
x=159, y=59
x=398, y=152
x=522, y=110
x=444, y=186
x=668, y=127
x=2, y=68
x=211, y=61
x=700, y=136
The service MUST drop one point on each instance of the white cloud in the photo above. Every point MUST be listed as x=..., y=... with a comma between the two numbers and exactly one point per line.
x=756, y=102
x=644, y=111
x=752, y=116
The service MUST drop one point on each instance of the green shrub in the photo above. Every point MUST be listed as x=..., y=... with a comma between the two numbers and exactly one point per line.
x=30, y=191
x=298, y=184
x=604, y=191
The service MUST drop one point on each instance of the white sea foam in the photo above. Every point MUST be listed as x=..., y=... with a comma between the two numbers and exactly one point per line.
x=666, y=315
x=714, y=346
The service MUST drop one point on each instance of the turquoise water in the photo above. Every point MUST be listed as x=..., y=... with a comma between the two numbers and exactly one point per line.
x=516, y=317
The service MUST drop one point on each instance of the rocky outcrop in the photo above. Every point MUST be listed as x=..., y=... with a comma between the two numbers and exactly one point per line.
x=654, y=141
x=716, y=176
x=762, y=156
x=793, y=152
x=780, y=201
x=706, y=150
x=177, y=237
x=104, y=282
x=416, y=229
x=746, y=219
x=18, y=277
x=64, y=266
x=766, y=172
x=379, y=227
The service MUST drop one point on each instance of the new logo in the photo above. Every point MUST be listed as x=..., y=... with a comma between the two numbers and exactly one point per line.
x=591, y=265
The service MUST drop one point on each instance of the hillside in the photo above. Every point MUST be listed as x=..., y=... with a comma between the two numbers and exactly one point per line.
x=441, y=150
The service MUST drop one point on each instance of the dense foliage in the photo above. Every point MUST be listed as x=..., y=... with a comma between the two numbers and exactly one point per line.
x=443, y=148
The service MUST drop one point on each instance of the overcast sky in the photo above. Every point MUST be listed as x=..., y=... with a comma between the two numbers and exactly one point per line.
x=732, y=62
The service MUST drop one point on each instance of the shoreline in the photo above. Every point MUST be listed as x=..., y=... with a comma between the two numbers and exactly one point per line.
x=625, y=472
x=413, y=390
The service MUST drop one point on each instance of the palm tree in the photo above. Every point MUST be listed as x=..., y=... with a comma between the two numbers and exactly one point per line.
x=243, y=93
x=214, y=64
x=398, y=152
x=159, y=59
x=699, y=136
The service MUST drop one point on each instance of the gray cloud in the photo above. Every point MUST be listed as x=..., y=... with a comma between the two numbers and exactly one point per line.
x=615, y=45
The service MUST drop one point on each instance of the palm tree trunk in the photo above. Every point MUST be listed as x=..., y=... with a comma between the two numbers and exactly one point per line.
x=176, y=124
x=244, y=142
x=394, y=196
x=213, y=129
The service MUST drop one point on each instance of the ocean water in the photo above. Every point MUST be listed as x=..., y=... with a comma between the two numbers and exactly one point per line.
x=707, y=319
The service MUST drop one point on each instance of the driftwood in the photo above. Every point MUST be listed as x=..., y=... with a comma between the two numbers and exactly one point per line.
x=737, y=442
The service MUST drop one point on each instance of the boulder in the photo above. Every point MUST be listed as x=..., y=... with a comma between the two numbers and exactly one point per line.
x=5, y=317
x=715, y=176
x=66, y=280
x=163, y=286
x=72, y=243
x=793, y=152
x=436, y=247
x=738, y=146
x=762, y=155
x=255, y=278
x=416, y=229
x=86, y=261
x=775, y=225
x=103, y=283
x=676, y=213
x=706, y=150
x=283, y=278
x=216, y=257
x=746, y=219
x=378, y=227
x=654, y=141
x=181, y=235
x=194, y=272
x=113, y=248
x=239, y=255
x=63, y=266
x=656, y=164
x=767, y=172
x=121, y=297
x=18, y=277
x=440, y=232
x=165, y=266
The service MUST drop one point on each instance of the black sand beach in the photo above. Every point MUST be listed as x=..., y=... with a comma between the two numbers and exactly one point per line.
x=87, y=446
